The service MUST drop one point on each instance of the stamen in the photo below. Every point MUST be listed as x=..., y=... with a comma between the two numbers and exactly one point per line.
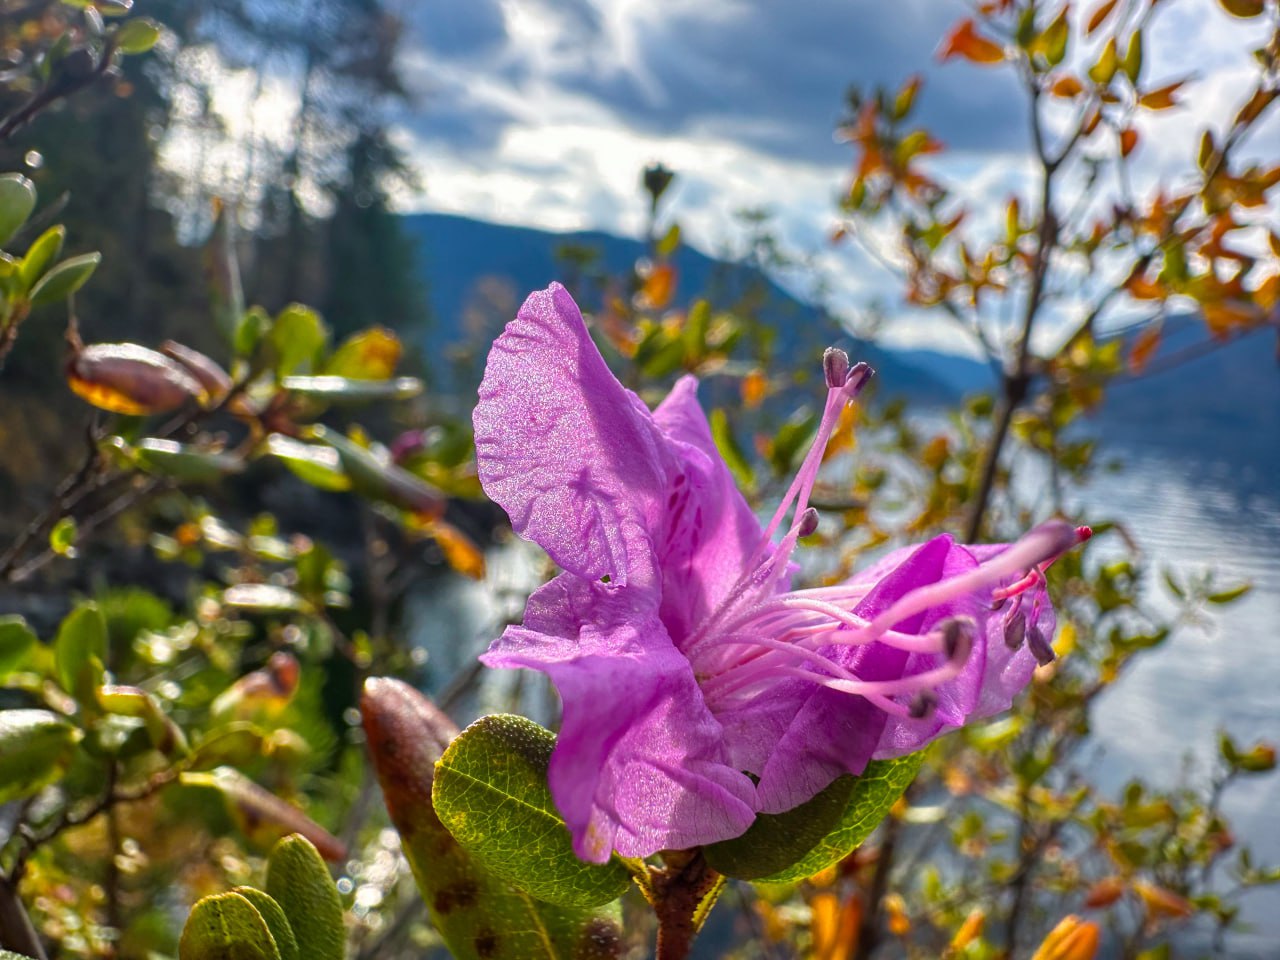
x=922, y=705
x=1040, y=647
x=1015, y=630
x=1045, y=542
x=835, y=364
x=808, y=523
x=957, y=638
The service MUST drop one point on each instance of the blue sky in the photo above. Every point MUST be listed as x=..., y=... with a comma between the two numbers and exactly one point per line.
x=543, y=112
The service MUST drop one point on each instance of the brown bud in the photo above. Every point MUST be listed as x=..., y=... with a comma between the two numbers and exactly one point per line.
x=130, y=379
x=212, y=377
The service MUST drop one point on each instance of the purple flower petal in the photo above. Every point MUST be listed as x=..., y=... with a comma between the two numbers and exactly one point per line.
x=639, y=765
x=710, y=531
x=572, y=456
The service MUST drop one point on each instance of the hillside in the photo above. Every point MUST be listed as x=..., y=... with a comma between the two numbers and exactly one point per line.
x=477, y=274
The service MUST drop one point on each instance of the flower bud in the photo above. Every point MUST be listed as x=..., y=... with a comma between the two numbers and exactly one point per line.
x=130, y=379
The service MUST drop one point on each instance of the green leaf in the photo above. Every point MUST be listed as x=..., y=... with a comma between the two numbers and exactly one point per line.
x=10, y=955
x=670, y=241
x=1132, y=64
x=345, y=390
x=16, y=643
x=35, y=747
x=65, y=279
x=62, y=538
x=184, y=462
x=276, y=921
x=491, y=792
x=298, y=880
x=250, y=330
x=479, y=916
x=312, y=463
x=732, y=454
x=297, y=337
x=1230, y=594
x=17, y=200
x=782, y=847
x=226, y=926
x=42, y=252
x=381, y=480
x=137, y=36
x=80, y=649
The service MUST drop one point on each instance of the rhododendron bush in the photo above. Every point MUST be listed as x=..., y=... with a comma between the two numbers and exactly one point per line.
x=798, y=669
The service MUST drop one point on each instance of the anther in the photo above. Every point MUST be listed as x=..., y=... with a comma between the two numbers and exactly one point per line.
x=922, y=705
x=808, y=523
x=1015, y=630
x=835, y=365
x=957, y=639
x=1040, y=647
x=859, y=374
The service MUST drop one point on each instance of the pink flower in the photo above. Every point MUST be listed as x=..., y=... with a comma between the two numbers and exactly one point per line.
x=698, y=688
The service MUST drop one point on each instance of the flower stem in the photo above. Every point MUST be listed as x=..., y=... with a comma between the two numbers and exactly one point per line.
x=680, y=892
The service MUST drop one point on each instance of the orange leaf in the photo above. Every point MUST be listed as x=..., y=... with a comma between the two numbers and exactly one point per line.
x=964, y=41
x=459, y=552
x=1098, y=16
x=1250, y=112
x=1105, y=892
x=970, y=930
x=1067, y=87
x=1226, y=316
x=1162, y=98
x=1072, y=939
x=1244, y=8
x=1128, y=140
x=659, y=287
x=1162, y=903
x=754, y=386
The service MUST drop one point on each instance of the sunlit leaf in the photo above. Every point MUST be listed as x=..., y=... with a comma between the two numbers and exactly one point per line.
x=65, y=279
x=1128, y=140
x=342, y=389
x=226, y=926
x=184, y=462
x=1099, y=16
x=1244, y=8
x=263, y=817
x=479, y=916
x=298, y=880
x=1144, y=347
x=1162, y=98
x=296, y=337
x=964, y=41
x=273, y=916
x=491, y=792
x=17, y=200
x=16, y=643
x=820, y=832
x=369, y=355
x=137, y=35
x=40, y=256
x=314, y=463
x=79, y=649
x=35, y=746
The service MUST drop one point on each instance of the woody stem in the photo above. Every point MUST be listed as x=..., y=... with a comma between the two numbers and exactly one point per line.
x=679, y=893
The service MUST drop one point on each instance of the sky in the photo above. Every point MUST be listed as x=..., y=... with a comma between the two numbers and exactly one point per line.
x=544, y=112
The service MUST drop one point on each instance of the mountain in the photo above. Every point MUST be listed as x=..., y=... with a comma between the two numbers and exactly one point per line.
x=478, y=273
x=1220, y=407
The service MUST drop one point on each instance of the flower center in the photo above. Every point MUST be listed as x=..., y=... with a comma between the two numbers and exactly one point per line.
x=761, y=631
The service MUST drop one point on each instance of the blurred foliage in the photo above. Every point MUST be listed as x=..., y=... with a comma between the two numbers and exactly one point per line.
x=223, y=563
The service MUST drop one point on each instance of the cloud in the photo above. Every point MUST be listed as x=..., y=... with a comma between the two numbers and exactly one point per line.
x=543, y=112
